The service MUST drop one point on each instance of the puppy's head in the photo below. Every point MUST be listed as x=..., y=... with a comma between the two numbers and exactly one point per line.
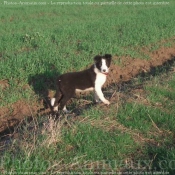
x=102, y=63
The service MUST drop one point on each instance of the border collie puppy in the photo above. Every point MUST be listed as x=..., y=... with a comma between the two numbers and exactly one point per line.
x=87, y=80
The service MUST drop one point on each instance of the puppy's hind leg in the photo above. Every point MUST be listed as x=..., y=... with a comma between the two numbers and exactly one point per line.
x=55, y=107
x=55, y=100
x=64, y=100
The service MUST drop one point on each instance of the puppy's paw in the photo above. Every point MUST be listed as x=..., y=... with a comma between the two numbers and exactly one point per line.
x=65, y=111
x=55, y=108
x=98, y=101
x=106, y=102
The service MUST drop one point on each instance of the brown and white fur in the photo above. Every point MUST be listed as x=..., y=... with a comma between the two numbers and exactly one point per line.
x=87, y=80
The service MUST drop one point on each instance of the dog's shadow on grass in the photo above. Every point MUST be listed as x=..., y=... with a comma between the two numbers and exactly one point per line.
x=42, y=84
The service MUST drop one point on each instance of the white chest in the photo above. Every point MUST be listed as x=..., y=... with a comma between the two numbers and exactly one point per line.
x=100, y=79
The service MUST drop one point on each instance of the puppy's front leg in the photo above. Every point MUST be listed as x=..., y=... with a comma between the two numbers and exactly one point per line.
x=99, y=93
x=97, y=100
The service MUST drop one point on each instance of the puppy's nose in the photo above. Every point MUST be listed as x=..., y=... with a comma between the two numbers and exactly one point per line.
x=104, y=70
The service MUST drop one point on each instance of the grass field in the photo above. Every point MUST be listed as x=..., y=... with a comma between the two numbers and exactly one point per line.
x=135, y=134
x=51, y=40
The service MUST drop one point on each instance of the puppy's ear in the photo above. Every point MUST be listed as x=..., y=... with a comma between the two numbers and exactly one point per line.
x=109, y=56
x=97, y=58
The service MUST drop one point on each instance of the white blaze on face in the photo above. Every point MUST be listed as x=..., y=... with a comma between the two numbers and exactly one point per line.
x=104, y=67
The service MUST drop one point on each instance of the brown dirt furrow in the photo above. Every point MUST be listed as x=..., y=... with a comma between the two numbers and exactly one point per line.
x=133, y=67
x=14, y=114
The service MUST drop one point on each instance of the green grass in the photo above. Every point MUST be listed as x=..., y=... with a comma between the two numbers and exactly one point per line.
x=136, y=137
x=40, y=42
x=40, y=39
